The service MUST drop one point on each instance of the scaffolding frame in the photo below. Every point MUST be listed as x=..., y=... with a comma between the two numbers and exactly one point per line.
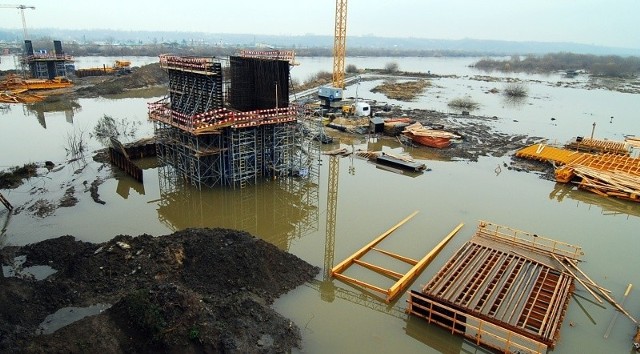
x=209, y=144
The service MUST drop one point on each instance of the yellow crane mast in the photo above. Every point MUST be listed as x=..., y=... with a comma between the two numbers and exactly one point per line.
x=333, y=93
x=339, y=44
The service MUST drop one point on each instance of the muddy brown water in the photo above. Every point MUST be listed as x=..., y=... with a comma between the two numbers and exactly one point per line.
x=333, y=316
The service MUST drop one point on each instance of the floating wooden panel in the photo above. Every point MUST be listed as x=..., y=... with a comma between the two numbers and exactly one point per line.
x=504, y=277
x=403, y=279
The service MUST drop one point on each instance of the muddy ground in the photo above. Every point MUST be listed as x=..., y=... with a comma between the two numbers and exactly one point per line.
x=479, y=135
x=194, y=291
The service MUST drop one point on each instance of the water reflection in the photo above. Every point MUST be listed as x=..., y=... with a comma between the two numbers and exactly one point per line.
x=608, y=206
x=359, y=296
x=5, y=108
x=39, y=109
x=514, y=101
x=436, y=337
x=126, y=184
x=277, y=211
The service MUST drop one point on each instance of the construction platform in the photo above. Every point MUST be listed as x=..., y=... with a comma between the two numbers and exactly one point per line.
x=230, y=132
x=547, y=153
x=504, y=289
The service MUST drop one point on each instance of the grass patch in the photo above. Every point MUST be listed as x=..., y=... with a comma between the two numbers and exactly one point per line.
x=463, y=103
x=14, y=177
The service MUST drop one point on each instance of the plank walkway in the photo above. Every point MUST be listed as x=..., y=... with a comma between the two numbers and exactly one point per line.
x=546, y=153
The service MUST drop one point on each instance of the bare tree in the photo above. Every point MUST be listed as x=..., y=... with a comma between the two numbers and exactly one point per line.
x=391, y=67
x=516, y=90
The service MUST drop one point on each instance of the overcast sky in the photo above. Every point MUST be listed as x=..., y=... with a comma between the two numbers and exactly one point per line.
x=613, y=23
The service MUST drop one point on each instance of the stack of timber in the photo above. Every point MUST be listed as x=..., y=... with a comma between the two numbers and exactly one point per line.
x=599, y=146
x=395, y=126
x=606, y=163
x=429, y=137
x=15, y=82
x=503, y=289
x=614, y=183
x=20, y=96
x=15, y=89
x=606, y=174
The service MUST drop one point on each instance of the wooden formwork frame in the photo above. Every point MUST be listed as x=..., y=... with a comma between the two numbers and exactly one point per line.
x=518, y=310
x=480, y=331
x=403, y=279
x=528, y=241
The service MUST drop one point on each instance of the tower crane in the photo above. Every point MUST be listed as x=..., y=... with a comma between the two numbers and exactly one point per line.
x=21, y=8
x=333, y=93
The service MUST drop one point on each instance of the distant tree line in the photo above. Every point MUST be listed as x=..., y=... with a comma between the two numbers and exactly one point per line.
x=610, y=65
x=110, y=48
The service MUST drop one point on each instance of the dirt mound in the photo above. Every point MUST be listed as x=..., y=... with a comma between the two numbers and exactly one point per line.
x=198, y=290
x=402, y=91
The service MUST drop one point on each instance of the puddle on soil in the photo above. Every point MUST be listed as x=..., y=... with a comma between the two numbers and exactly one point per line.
x=67, y=315
x=37, y=272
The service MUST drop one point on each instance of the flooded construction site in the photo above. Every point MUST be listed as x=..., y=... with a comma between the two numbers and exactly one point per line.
x=334, y=205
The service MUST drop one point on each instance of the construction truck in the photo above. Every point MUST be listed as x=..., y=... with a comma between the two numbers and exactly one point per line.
x=120, y=67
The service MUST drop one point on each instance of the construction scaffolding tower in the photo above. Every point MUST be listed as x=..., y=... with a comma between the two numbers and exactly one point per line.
x=211, y=140
x=46, y=65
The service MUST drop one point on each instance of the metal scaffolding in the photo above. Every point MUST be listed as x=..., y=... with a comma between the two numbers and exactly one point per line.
x=209, y=144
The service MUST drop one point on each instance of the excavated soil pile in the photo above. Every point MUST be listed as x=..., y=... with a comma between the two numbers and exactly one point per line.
x=402, y=91
x=194, y=291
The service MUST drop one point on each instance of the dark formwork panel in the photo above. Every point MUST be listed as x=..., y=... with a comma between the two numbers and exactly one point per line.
x=192, y=93
x=255, y=83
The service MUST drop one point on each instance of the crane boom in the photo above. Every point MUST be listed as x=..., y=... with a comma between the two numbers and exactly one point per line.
x=21, y=8
x=339, y=43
